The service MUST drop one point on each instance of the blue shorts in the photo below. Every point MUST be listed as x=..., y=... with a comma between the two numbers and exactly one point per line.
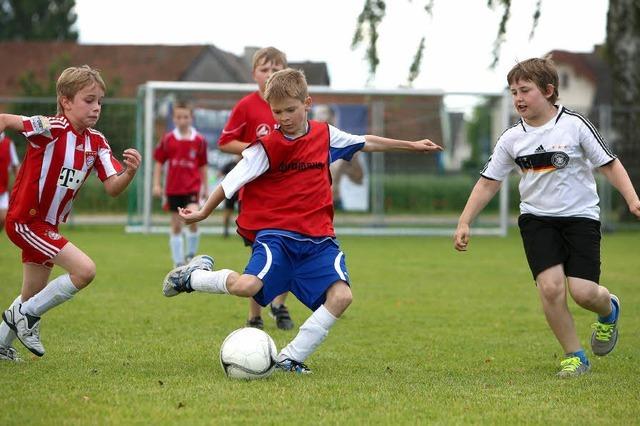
x=286, y=261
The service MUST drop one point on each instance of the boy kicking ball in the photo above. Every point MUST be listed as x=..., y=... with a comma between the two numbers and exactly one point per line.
x=287, y=213
x=555, y=150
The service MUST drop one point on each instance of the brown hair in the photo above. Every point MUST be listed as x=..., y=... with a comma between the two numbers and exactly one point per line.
x=286, y=83
x=269, y=54
x=74, y=79
x=541, y=71
x=180, y=103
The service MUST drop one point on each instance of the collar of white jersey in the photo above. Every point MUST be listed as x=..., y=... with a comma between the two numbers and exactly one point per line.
x=178, y=136
x=549, y=124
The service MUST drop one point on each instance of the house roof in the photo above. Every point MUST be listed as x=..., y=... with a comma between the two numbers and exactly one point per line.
x=592, y=67
x=132, y=65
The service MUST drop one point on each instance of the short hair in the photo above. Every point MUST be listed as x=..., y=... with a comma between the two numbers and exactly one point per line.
x=74, y=79
x=183, y=104
x=286, y=83
x=269, y=54
x=541, y=71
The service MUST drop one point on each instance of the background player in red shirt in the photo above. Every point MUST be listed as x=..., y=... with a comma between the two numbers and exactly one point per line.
x=62, y=152
x=184, y=151
x=288, y=215
x=8, y=163
x=251, y=119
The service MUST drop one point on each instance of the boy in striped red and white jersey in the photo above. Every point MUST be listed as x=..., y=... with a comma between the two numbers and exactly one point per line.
x=62, y=151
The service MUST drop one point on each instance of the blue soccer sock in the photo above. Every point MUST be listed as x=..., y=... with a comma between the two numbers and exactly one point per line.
x=580, y=354
x=612, y=317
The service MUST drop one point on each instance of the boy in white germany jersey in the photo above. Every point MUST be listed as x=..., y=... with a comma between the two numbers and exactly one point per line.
x=62, y=152
x=555, y=150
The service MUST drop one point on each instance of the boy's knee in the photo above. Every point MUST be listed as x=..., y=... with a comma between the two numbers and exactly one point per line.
x=84, y=274
x=243, y=285
x=340, y=295
x=551, y=289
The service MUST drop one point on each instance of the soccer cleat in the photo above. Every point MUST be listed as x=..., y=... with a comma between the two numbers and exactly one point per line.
x=26, y=327
x=605, y=335
x=282, y=317
x=178, y=280
x=572, y=366
x=288, y=364
x=255, y=322
x=9, y=354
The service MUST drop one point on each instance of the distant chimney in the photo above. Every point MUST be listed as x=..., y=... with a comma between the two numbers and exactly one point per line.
x=249, y=51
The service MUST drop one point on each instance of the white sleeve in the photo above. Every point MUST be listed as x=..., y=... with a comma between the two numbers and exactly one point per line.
x=594, y=146
x=15, y=161
x=499, y=164
x=340, y=139
x=254, y=163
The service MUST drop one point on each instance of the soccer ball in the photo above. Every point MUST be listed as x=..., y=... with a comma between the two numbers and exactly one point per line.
x=248, y=353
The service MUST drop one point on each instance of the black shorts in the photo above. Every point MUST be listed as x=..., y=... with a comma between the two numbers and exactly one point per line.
x=230, y=203
x=175, y=201
x=573, y=242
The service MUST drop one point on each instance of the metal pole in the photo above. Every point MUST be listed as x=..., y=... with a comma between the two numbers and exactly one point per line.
x=148, y=158
x=377, y=165
x=504, y=189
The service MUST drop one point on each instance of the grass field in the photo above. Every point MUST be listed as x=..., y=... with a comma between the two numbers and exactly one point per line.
x=433, y=337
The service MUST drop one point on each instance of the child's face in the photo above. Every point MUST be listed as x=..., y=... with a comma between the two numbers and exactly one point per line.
x=182, y=118
x=263, y=71
x=531, y=103
x=291, y=115
x=84, y=109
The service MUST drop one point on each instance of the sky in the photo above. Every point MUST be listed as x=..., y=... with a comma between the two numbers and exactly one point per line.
x=459, y=34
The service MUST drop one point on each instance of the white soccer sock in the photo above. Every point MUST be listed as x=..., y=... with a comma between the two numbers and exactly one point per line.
x=7, y=335
x=210, y=281
x=193, y=240
x=311, y=334
x=177, y=249
x=56, y=292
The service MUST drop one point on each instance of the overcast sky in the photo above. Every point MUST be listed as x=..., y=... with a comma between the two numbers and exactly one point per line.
x=459, y=35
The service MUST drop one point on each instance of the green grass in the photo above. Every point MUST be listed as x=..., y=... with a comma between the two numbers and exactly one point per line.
x=433, y=337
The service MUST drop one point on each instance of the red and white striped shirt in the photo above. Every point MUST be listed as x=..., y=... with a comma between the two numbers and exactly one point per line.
x=57, y=162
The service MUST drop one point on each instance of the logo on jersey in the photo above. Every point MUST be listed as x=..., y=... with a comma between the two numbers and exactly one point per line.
x=559, y=160
x=53, y=235
x=71, y=178
x=90, y=157
x=263, y=130
x=300, y=166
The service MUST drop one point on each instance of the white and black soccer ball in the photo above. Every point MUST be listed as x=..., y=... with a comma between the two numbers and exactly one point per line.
x=248, y=353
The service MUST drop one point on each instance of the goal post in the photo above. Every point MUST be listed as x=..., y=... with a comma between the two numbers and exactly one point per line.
x=398, y=193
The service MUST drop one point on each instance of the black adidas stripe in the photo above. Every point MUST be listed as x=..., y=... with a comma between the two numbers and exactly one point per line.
x=594, y=132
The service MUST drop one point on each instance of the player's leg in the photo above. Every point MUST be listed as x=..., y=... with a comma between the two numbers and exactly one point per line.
x=192, y=237
x=279, y=312
x=4, y=204
x=176, y=241
x=7, y=336
x=255, y=315
x=321, y=284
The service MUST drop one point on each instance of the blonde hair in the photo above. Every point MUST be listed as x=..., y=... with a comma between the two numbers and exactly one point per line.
x=286, y=83
x=269, y=54
x=540, y=71
x=74, y=79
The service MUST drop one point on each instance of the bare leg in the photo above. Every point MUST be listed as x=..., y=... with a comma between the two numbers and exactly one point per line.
x=591, y=296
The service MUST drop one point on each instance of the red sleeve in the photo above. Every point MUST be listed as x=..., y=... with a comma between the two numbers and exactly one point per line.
x=160, y=154
x=35, y=133
x=106, y=164
x=235, y=127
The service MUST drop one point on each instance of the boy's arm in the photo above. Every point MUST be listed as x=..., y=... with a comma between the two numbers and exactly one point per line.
x=617, y=175
x=12, y=122
x=482, y=193
x=377, y=143
x=115, y=184
x=157, y=173
x=234, y=147
x=190, y=216
x=204, y=190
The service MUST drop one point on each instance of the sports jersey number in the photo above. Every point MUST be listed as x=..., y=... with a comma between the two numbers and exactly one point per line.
x=71, y=178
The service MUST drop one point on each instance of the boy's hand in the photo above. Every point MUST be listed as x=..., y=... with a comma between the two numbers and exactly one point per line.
x=425, y=145
x=132, y=160
x=157, y=191
x=461, y=237
x=189, y=216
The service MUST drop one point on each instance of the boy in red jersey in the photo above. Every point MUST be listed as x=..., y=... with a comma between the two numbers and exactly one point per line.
x=8, y=163
x=288, y=215
x=61, y=154
x=185, y=152
x=252, y=119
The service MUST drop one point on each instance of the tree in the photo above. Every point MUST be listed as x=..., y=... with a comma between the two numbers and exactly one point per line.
x=622, y=54
x=37, y=20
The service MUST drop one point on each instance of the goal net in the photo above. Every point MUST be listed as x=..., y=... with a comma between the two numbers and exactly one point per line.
x=376, y=193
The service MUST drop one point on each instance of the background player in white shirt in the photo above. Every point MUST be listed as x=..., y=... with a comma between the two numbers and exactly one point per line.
x=9, y=162
x=62, y=151
x=555, y=150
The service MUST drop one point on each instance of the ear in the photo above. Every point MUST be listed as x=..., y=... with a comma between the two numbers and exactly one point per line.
x=308, y=103
x=65, y=102
x=549, y=91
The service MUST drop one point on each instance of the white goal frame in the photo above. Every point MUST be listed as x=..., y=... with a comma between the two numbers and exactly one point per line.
x=147, y=96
